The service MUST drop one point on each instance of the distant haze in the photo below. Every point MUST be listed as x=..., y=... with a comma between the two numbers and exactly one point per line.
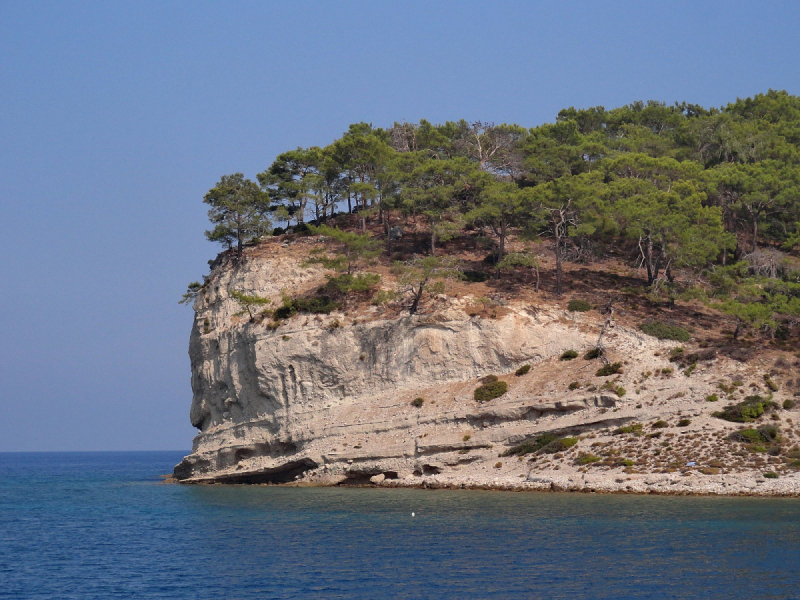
x=117, y=118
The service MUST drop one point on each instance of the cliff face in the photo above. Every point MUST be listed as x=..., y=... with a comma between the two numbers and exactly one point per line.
x=328, y=398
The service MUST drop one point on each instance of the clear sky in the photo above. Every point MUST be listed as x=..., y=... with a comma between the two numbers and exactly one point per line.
x=116, y=118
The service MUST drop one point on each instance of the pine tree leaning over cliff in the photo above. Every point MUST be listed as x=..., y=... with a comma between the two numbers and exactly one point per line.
x=237, y=211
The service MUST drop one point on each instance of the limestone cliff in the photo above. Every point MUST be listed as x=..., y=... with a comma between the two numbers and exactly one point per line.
x=328, y=398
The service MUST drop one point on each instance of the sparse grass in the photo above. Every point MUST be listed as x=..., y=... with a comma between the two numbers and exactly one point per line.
x=771, y=475
x=788, y=404
x=712, y=398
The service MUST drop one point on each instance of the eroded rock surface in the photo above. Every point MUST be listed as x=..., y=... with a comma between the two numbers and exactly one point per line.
x=328, y=399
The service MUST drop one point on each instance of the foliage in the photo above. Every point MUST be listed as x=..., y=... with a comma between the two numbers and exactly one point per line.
x=420, y=275
x=594, y=353
x=633, y=428
x=237, y=212
x=249, y=301
x=418, y=402
x=609, y=369
x=523, y=370
x=315, y=305
x=665, y=331
x=192, y=291
x=569, y=355
x=490, y=391
x=744, y=412
x=355, y=247
x=546, y=443
x=353, y=284
x=586, y=459
x=706, y=202
x=576, y=305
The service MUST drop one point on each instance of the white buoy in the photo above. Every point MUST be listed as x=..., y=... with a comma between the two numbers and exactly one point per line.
x=412, y=514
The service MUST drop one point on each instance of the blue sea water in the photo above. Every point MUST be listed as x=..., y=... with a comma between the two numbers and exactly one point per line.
x=102, y=525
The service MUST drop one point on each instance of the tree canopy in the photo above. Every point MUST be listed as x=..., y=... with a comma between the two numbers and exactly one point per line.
x=673, y=187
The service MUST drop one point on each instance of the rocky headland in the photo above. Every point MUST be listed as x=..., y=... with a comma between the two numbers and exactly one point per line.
x=372, y=395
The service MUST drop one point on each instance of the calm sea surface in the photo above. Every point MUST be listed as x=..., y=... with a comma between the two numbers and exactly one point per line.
x=101, y=525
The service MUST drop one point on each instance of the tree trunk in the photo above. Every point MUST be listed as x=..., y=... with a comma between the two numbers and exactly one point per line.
x=417, y=296
x=558, y=264
x=755, y=233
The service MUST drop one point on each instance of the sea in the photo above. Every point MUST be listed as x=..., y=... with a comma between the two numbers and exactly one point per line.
x=104, y=525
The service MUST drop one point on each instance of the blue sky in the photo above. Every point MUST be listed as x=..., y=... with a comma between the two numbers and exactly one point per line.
x=117, y=117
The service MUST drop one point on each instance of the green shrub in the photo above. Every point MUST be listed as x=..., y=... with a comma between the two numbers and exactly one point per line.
x=619, y=391
x=353, y=284
x=569, y=355
x=744, y=412
x=794, y=464
x=788, y=404
x=418, y=402
x=576, y=305
x=712, y=398
x=675, y=354
x=771, y=475
x=531, y=446
x=766, y=434
x=383, y=297
x=609, y=369
x=315, y=305
x=593, y=354
x=523, y=370
x=633, y=428
x=586, y=459
x=770, y=384
x=659, y=425
x=574, y=385
x=684, y=422
x=546, y=443
x=665, y=331
x=490, y=391
x=475, y=276
x=690, y=370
